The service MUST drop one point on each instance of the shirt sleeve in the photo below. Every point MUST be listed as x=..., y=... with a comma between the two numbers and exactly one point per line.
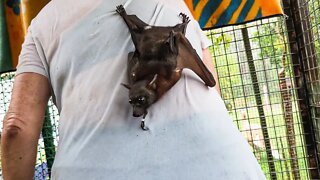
x=205, y=41
x=180, y=4
x=31, y=59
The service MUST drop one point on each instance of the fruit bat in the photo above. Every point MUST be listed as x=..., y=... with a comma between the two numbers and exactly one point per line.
x=161, y=53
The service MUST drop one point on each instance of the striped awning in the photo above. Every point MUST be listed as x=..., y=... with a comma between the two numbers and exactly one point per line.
x=218, y=13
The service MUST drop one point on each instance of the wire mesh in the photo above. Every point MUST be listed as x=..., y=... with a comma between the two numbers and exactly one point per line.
x=311, y=30
x=257, y=84
x=309, y=11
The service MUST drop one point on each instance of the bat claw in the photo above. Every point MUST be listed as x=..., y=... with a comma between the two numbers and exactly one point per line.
x=143, y=126
x=185, y=18
x=120, y=9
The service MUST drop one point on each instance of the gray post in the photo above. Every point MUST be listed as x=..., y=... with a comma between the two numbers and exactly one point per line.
x=258, y=99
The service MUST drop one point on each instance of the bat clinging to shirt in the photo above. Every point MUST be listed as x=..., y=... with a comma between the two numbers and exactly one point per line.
x=161, y=53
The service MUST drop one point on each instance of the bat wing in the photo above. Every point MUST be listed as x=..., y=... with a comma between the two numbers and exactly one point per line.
x=188, y=58
x=138, y=70
x=132, y=64
x=135, y=25
x=132, y=21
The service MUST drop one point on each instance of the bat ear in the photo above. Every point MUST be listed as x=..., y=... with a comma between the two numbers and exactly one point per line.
x=171, y=42
x=126, y=86
x=152, y=84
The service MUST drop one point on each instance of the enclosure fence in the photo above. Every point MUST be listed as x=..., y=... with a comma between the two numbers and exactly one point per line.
x=269, y=80
x=268, y=75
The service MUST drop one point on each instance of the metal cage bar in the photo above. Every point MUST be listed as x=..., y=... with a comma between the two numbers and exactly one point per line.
x=266, y=108
x=302, y=52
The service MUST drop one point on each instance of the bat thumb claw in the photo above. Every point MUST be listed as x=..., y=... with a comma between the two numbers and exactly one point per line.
x=143, y=126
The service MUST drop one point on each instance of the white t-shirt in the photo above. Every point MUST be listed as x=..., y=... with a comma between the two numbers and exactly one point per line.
x=82, y=47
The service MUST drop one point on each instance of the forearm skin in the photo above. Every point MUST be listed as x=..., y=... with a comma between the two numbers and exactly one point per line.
x=22, y=125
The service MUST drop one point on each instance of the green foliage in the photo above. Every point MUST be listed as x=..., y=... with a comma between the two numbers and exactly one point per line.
x=315, y=24
x=270, y=40
x=221, y=42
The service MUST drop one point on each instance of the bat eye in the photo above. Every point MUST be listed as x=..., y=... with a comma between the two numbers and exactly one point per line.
x=142, y=99
x=130, y=101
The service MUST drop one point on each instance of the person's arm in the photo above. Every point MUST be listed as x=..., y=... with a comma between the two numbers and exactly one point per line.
x=207, y=60
x=22, y=125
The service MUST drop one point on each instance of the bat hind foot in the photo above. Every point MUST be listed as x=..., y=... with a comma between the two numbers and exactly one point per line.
x=121, y=10
x=185, y=18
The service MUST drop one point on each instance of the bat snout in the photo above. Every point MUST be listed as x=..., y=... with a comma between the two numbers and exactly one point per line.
x=137, y=112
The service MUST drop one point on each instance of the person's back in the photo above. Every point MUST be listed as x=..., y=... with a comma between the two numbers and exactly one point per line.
x=82, y=49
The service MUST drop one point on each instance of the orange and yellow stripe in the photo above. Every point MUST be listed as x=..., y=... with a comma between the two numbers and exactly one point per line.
x=18, y=16
x=230, y=12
